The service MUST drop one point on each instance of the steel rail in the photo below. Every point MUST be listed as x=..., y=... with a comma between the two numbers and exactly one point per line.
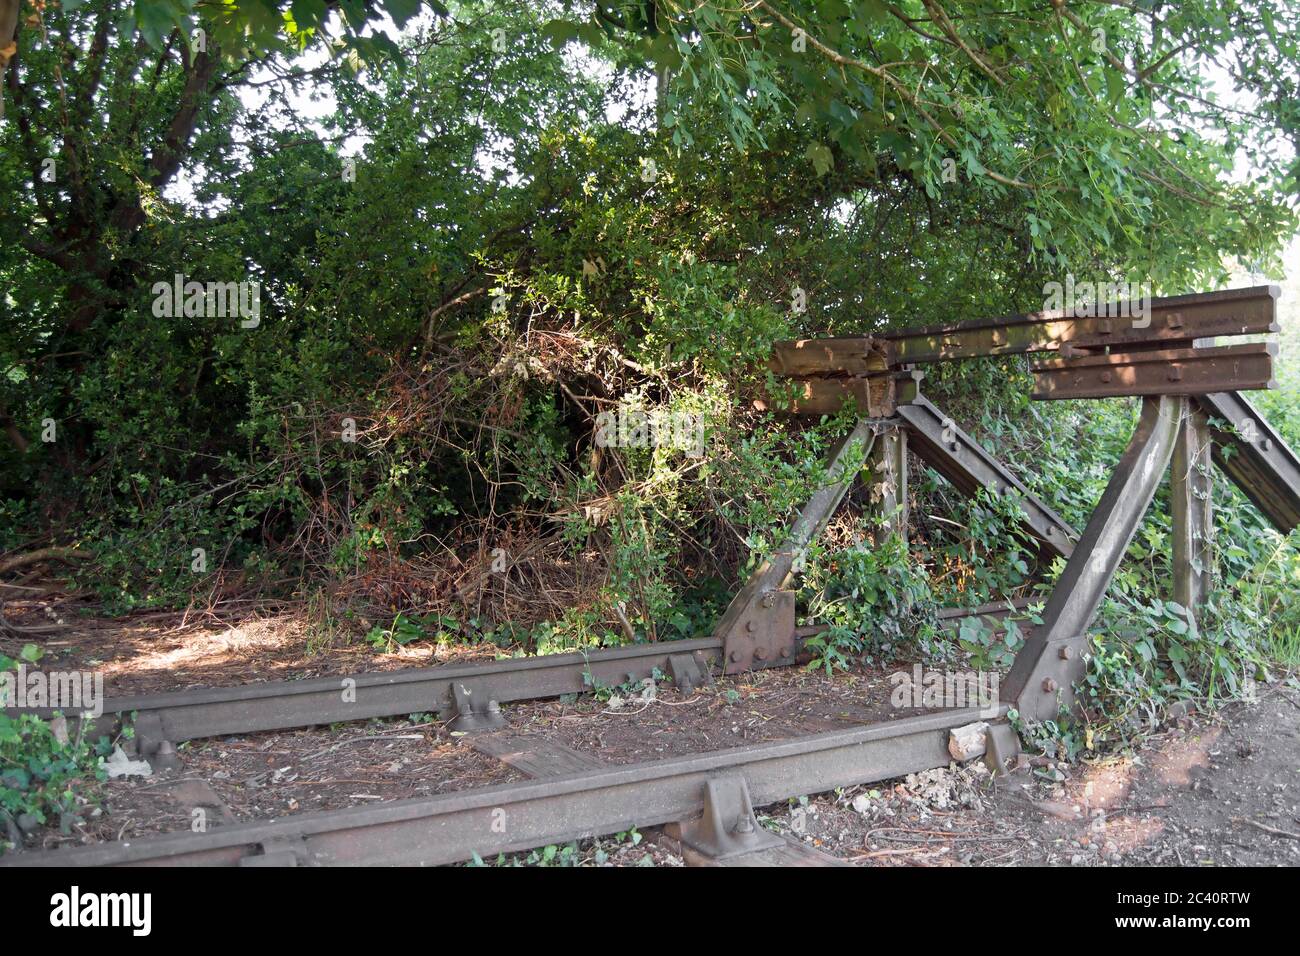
x=513, y=817
x=1157, y=372
x=279, y=705
x=1169, y=322
x=1158, y=323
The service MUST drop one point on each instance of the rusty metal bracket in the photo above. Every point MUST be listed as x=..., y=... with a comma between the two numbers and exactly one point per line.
x=728, y=827
x=689, y=671
x=473, y=709
x=1051, y=660
x=1001, y=748
x=280, y=851
x=151, y=743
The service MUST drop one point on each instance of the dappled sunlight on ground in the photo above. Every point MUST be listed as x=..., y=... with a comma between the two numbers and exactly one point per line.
x=158, y=653
x=1173, y=765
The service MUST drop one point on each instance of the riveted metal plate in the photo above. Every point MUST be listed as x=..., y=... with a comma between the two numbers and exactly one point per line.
x=764, y=635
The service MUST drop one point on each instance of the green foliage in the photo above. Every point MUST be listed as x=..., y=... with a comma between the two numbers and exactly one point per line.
x=1090, y=112
x=570, y=854
x=44, y=779
x=872, y=599
x=992, y=647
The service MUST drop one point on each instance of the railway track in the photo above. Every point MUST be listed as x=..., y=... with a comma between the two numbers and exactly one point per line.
x=578, y=797
x=710, y=795
x=467, y=695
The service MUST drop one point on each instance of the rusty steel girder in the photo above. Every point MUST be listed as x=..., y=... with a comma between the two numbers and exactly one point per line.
x=1157, y=372
x=964, y=462
x=1250, y=452
x=757, y=629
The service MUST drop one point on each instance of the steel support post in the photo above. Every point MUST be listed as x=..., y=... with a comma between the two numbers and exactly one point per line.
x=1190, y=489
x=889, y=479
x=1052, y=659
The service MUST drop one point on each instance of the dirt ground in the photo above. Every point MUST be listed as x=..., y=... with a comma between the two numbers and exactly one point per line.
x=1208, y=790
x=1221, y=791
x=167, y=651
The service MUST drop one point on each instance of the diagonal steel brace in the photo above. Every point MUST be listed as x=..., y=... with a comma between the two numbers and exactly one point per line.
x=963, y=462
x=1052, y=659
x=757, y=629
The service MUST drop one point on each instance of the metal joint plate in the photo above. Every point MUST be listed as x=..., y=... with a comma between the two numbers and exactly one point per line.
x=764, y=635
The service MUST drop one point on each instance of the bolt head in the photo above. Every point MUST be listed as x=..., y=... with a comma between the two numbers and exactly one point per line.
x=751, y=627
x=769, y=599
x=1067, y=653
x=1049, y=686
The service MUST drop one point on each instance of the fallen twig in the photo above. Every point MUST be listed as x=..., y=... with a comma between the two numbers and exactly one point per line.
x=1266, y=828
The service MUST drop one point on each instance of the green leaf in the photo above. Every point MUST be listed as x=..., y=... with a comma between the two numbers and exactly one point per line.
x=823, y=159
x=560, y=32
x=309, y=14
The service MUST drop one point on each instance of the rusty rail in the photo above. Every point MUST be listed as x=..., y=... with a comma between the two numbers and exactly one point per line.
x=1158, y=372
x=279, y=705
x=503, y=819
